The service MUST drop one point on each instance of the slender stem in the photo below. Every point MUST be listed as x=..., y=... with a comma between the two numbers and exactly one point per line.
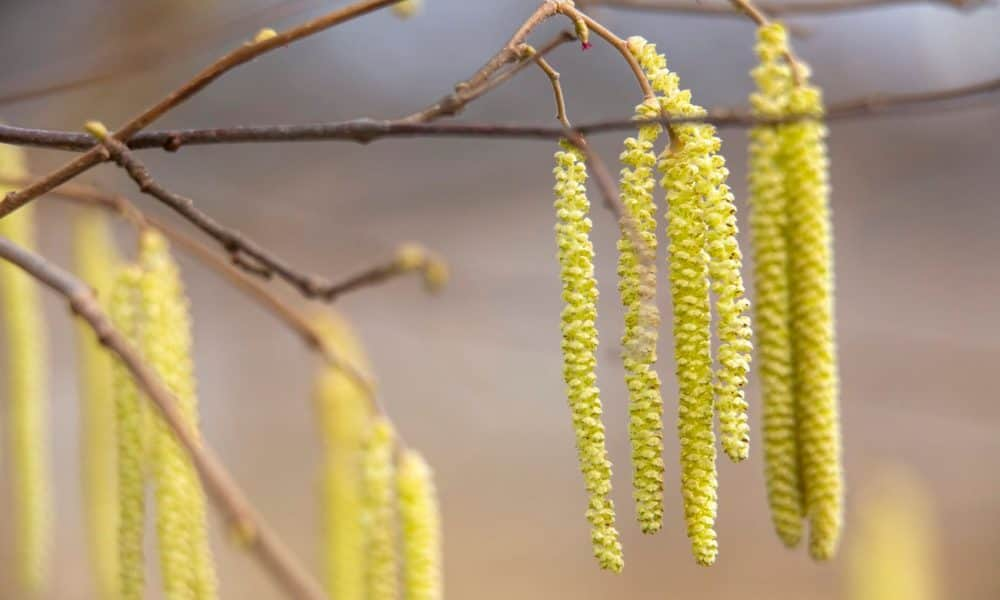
x=557, y=91
x=228, y=497
x=775, y=9
x=242, y=55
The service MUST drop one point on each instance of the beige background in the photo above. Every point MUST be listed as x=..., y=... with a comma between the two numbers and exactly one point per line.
x=472, y=377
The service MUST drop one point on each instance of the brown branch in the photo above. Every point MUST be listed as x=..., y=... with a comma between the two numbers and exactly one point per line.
x=228, y=497
x=242, y=55
x=368, y=130
x=774, y=9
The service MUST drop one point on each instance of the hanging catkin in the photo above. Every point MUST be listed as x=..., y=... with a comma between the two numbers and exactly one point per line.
x=381, y=561
x=185, y=556
x=637, y=287
x=25, y=376
x=814, y=348
x=96, y=259
x=131, y=419
x=769, y=225
x=420, y=521
x=579, y=347
x=345, y=415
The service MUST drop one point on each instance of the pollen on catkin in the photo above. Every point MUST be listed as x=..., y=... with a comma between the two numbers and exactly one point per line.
x=814, y=347
x=769, y=226
x=25, y=376
x=637, y=287
x=579, y=347
x=420, y=521
x=345, y=416
x=185, y=556
x=96, y=260
x=381, y=561
x=131, y=419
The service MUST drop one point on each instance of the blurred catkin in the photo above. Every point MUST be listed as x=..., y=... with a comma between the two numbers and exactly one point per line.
x=892, y=550
x=131, y=424
x=26, y=375
x=185, y=556
x=407, y=8
x=769, y=225
x=96, y=261
x=379, y=516
x=345, y=415
x=420, y=521
x=579, y=348
x=637, y=287
x=814, y=349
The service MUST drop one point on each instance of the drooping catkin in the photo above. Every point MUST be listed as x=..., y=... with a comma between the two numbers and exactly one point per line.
x=381, y=561
x=25, y=376
x=814, y=348
x=637, y=287
x=185, y=556
x=345, y=416
x=131, y=419
x=769, y=225
x=697, y=147
x=420, y=521
x=579, y=347
x=96, y=259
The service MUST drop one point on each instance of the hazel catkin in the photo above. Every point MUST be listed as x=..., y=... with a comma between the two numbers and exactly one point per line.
x=379, y=516
x=420, y=521
x=96, y=258
x=25, y=375
x=579, y=347
x=769, y=227
x=637, y=287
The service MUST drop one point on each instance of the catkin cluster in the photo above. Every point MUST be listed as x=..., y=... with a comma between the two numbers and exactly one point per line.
x=579, y=348
x=25, y=378
x=704, y=259
x=380, y=507
x=794, y=278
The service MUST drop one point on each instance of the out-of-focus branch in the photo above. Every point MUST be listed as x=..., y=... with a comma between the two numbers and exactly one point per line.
x=228, y=497
x=260, y=45
x=773, y=9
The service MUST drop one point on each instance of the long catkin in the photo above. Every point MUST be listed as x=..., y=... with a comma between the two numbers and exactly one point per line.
x=420, y=521
x=25, y=374
x=131, y=419
x=345, y=418
x=382, y=562
x=185, y=556
x=579, y=347
x=96, y=260
x=769, y=225
x=814, y=348
x=637, y=288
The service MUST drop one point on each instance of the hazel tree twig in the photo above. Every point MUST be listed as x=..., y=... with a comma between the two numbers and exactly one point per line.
x=259, y=539
x=242, y=55
x=775, y=9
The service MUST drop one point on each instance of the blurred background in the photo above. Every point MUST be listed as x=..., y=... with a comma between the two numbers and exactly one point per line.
x=472, y=377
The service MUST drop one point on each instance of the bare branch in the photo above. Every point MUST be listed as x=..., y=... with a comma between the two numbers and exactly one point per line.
x=228, y=497
x=774, y=9
x=242, y=55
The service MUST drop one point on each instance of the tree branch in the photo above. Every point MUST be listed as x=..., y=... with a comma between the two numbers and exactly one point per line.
x=242, y=55
x=261, y=541
x=774, y=9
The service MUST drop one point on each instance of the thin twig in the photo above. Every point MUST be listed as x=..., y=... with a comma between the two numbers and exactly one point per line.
x=259, y=538
x=242, y=55
x=557, y=91
x=775, y=9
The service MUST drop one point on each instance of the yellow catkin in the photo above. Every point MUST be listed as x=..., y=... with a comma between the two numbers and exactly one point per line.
x=892, y=551
x=637, y=287
x=769, y=224
x=814, y=347
x=579, y=348
x=345, y=414
x=96, y=260
x=381, y=564
x=131, y=434
x=407, y=8
x=185, y=556
x=420, y=521
x=25, y=375
x=684, y=179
